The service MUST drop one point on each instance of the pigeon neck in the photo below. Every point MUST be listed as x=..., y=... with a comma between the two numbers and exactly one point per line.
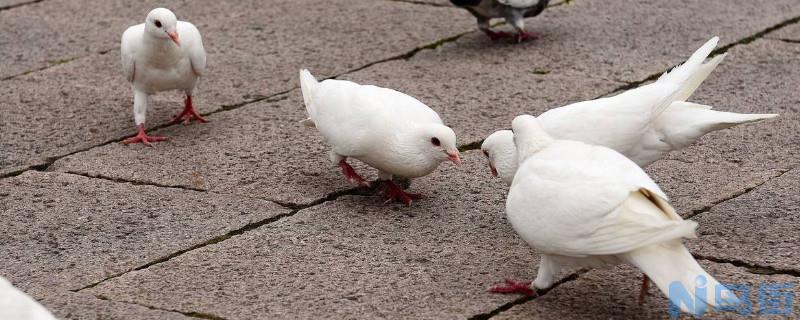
x=534, y=141
x=157, y=44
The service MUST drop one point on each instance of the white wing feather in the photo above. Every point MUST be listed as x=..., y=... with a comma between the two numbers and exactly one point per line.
x=576, y=200
x=15, y=304
x=130, y=38
x=192, y=42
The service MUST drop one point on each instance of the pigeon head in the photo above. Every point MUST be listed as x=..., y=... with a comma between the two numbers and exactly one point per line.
x=162, y=24
x=501, y=152
x=529, y=136
x=437, y=142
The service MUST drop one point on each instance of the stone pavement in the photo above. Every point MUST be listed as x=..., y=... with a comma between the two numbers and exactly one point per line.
x=244, y=217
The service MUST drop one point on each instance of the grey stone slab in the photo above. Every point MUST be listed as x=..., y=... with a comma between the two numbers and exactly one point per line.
x=70, y=305
x=353, y=258
x=613, y=293
x=761, y=77
x=258, y=150
x=759, y=227
x=86, y=102
x=625, y=41
x=65, y=231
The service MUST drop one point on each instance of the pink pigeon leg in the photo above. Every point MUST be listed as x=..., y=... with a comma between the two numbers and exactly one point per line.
x=496, y=35
x=525, y=36
x=512, y=286
x=645, y=287
x=189, y=113
x=351, y=174
x=393, y=192
x=143, y=138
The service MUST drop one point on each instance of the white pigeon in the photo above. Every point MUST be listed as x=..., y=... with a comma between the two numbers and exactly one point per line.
x=158, y=55
x=630, y=122
x=386, y=129
x=582, y=205
x=16, y=305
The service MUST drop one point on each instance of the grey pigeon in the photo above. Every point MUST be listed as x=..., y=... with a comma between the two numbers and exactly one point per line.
x=514, y=11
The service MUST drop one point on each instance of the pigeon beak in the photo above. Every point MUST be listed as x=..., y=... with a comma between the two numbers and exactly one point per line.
x=174, y=36
x=454, y=156
x=494, y=171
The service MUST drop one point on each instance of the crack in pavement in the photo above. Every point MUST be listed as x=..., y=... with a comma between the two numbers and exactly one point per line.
x=753, y=268
x=795, y=41
x=133, y=182
x=717, y=51
x=364, y=191
x=521, y=300
x=198, y=315
x=22, y=4
x=56, y=63
x=710, y=206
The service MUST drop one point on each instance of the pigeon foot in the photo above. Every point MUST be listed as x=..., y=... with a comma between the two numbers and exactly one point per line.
x=525, y=36
x=188, y=114
x=393, y=192
x=496, y=35
x=143, y=138
x=512, y=286
x=351, y=174
x=645, y=287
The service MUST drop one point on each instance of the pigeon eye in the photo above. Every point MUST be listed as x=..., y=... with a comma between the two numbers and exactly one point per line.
x=435, y=141
x=157, y=23
x=486, y=153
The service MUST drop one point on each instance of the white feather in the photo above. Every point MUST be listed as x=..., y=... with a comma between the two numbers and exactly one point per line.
x=16, y=305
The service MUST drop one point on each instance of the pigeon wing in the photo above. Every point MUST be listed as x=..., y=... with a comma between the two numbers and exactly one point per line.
x=193, y=44
x=131, y=38
x=578, y=200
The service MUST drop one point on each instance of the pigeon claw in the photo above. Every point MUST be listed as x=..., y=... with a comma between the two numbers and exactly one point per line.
x=351, y=175
x=643, y=291
x=143, y=138
x=525, y=36
x=514, y=287
x=188, y=114
x=496, y=35
x=394, y=193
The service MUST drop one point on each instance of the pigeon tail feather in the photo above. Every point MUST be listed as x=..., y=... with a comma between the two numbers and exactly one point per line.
x=308, y=84
x=696, y=79
x=672, y=268
x=717, y=120
x=684, y=74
